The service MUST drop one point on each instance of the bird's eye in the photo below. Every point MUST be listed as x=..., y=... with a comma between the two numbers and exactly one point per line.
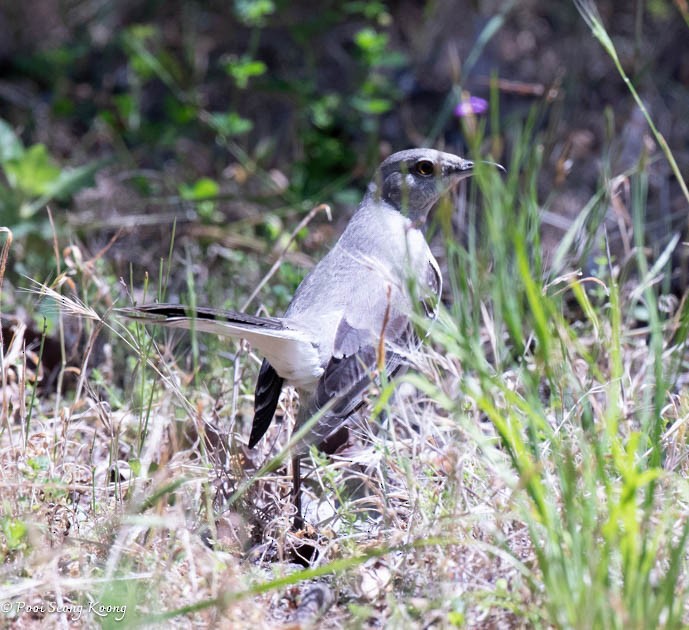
x=425, y=168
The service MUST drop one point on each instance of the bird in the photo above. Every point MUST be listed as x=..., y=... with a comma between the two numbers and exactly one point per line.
x=352, y=315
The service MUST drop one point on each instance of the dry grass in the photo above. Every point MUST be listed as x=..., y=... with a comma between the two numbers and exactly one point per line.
x=94, y=512
x=422, y=520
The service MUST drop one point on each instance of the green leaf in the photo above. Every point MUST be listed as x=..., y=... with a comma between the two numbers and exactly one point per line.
x=10, y=200
x=34, y=172
x=253, y=12
x=243, y=69
x=370, y=41
x=11, y=146
x=39, y=463
x=135, y=466
x=200, y=189
x=373, y=106
x=68, y=182
x=322, y=111
x=202, y=192
x=15, y=531
x=456, y=618
x=180, y=113
x=230, y=124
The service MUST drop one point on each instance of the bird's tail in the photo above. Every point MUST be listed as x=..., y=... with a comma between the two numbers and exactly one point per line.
x=272, y=337
x=211, y=320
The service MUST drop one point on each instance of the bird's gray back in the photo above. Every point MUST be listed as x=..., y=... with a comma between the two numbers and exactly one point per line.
x=364, y=278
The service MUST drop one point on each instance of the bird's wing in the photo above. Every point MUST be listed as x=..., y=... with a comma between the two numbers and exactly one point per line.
x=292, y=352
x=266, y=396
x=354, y=364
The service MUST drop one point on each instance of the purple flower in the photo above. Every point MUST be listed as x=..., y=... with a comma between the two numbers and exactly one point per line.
x=471, y=106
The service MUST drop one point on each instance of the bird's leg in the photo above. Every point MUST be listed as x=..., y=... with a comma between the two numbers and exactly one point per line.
x=296, y=492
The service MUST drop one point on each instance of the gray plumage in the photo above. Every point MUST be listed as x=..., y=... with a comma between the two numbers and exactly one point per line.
x=357, y=300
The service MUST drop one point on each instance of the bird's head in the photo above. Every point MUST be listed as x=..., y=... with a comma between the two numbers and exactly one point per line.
x=412, y=181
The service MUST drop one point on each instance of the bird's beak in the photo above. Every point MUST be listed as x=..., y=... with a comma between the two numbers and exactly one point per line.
x=500, y=167
x=465, y=168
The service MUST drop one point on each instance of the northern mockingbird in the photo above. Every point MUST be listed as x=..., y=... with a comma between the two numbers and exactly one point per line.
x=350, y=316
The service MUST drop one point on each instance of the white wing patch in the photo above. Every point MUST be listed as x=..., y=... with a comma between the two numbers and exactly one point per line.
x=292, y=353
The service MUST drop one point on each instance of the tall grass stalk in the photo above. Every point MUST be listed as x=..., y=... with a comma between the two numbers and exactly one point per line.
x=576, y=417
x=589, y=12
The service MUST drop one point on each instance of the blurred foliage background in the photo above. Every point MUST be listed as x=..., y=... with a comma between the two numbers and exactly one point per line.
x=226, y=122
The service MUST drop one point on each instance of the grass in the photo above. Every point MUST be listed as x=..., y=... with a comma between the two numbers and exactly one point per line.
x=529, y=472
